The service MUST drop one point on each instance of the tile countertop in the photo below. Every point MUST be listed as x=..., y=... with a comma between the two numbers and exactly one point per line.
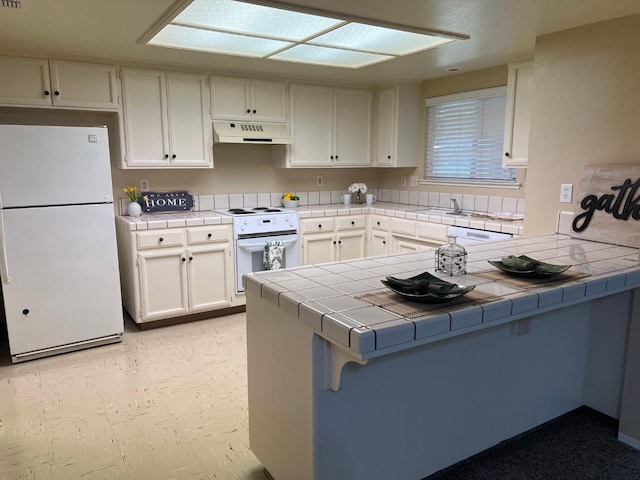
x=325, y=296
x=206, y=217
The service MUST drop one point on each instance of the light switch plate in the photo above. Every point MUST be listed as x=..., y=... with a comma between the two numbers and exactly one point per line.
x=144, y=185
x=403, y=181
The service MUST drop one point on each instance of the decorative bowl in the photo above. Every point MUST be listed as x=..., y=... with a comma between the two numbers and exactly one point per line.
x=426, y=288
x=290, y=203
x=524, y=266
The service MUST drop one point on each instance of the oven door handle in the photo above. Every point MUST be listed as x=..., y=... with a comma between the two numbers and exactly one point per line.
x=256, y=246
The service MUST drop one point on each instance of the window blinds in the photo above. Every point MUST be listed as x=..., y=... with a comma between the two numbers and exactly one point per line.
x=465, y=135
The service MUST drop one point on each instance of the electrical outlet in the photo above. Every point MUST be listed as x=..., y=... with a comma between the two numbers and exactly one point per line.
x=144, y=185
x=413, y=181
x=403, y=181
x=319, y=181
x=566, y=193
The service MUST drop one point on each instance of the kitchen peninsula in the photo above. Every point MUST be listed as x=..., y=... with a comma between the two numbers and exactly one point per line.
x=347, y=383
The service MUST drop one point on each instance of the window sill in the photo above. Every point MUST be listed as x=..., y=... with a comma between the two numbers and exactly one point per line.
x=471, y=183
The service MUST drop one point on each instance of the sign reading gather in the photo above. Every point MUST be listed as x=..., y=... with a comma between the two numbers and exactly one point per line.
x=609, y=205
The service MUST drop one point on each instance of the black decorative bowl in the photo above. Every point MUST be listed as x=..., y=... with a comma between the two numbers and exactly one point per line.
x=426, y=288
x=524, y=266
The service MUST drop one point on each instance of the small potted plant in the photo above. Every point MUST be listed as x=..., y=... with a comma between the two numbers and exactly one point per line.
x=357, y=190
x=134, y=209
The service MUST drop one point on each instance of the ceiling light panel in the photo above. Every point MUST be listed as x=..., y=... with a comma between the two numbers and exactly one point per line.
x=332, y=57
x=370, y=38
x=216, y=42
x=233, y=16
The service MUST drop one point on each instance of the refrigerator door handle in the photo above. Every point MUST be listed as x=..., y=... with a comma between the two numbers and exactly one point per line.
x=4, y=269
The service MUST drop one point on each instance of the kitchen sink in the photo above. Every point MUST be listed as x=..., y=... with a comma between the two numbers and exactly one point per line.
x=441, y=213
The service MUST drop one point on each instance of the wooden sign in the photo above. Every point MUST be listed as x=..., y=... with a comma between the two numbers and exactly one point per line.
x=608, y=205
x=165, y=201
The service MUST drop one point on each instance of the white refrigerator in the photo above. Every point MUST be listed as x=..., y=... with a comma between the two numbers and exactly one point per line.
x=58, y=252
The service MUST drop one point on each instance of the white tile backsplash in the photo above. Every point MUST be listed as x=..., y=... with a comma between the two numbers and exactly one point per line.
x=468, y=203
x=236, y=200
x=495, y=204
x=413, y=197
x=521, y=205
x=403, y=197
x=481, y=203
x=314, y=198
x=264, y=200
x=304, y=198
x=250, y=200
x=325, y=198
x=336, y=196
x=423, y=199
x=386, y=195
x=205, y=202
x=221, y=201
x=434, y=199
x=394, y=196
x=509, y=205
x=444, y=200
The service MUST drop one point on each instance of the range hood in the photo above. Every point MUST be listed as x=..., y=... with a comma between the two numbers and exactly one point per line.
x=249, y=132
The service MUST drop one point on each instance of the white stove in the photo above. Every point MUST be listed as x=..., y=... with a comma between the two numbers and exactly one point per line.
x=253, y=228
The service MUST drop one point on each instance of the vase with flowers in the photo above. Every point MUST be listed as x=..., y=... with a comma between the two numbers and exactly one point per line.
x=133, y=209
x=357, y=191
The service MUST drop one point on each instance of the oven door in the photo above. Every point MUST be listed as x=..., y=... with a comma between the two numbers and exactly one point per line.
x=250, y=254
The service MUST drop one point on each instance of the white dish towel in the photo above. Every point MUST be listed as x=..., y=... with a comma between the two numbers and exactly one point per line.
x=273, y=252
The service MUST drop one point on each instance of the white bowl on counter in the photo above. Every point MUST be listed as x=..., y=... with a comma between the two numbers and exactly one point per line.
x=290, y=203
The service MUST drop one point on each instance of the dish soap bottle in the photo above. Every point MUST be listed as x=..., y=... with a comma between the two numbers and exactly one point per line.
x=451, y=258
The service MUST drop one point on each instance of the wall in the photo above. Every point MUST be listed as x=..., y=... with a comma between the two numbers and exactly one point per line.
x=586, y=110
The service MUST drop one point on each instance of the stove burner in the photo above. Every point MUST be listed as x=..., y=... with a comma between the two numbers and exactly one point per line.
x=272, y=210
x=260, y=208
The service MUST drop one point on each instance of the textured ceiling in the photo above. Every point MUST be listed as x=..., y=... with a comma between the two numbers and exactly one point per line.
x=499, y=31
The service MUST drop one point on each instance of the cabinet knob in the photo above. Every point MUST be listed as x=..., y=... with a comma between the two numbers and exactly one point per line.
x=319, y=225
x=336, y=157
x=340, y=241
x=208, y=235
x=331, y=157
x=248, y=110
x=334, y=242
x=173, y=156
x=384, y=242
x=46, y=92
x=254, y=111
x=166, y=155
x=56, y=93
x=161, y=239
x=25, y=311
x=190, y=258
x=378, y=223
x=353, y=223
x=507, y=154
x=183, y=259
x=389, y=157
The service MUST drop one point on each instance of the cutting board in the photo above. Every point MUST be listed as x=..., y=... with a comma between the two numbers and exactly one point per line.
x=608, y=205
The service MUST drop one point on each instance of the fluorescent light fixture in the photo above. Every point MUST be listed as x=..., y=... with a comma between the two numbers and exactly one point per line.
x=276, y=30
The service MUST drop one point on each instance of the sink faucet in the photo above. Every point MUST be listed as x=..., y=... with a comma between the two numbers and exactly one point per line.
x=456, y=208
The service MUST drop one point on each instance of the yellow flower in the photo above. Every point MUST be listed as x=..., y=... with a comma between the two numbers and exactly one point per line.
x=132, y=193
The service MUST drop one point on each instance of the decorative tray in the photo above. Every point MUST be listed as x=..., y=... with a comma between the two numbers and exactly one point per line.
x=426, y=288
x=524, y=266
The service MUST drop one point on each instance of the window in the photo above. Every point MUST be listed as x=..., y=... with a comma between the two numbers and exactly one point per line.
x=464, y=137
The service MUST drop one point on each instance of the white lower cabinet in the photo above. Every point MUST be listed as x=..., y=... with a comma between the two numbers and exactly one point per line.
x=329, y=239
x=174, y=272
x=400, y=244
x=379, y=244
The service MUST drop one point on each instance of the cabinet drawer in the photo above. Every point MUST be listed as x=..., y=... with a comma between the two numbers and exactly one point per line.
x=208, y=234
x=379, y=222
x=406, y=227
x=434, y=231
x=160, y=238
x=351, y=223
x=309, y=225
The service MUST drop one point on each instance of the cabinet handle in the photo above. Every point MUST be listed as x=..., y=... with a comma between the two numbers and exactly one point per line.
x=331, y=157
x=166, y=155
x=388, y=157
x=25, y=311
x=173, y=156
x=384, y=242
x=248, y=110
x=254, y=111
x=46, y=92
x=334, y=242
x=507, y=154
x=340, y=242
x=208, y=235
x=353, y=223
x=190, y=258
x=378, y=223
x=161, y=239
x=336, y=157
x=183, y=259
x=56, y=93
x=319, y=225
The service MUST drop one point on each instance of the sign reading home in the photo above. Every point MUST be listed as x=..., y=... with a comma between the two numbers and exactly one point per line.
x=608, y=208
x=166, y=201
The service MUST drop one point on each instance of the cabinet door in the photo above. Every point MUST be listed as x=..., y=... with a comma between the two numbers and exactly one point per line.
x=163, y=283
x=352, y=127
x=84, y=85
x=230, y=98
x=318, y=248
x=386, y=127
x=351, y=245
x=24, y=81
x=406, y=245
x=379, y=243
x=518, y=114
x=145, y=118
x=210, y=273
x=190, y=134
x=311, y=126
x=268, y=101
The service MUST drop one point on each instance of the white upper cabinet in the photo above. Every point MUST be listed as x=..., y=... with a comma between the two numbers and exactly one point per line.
x=52, y=83
x=518, y=114
x=398, y=127
x=249, y=100
x=166, y=120
x=331, y=127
